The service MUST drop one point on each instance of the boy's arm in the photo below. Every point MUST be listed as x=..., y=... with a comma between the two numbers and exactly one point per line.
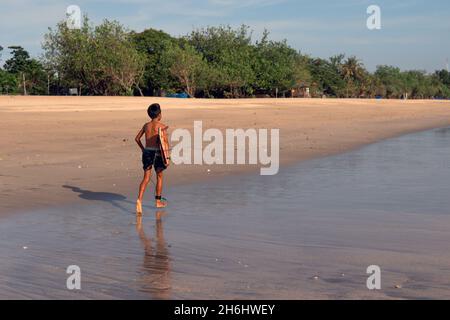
x=138, y=138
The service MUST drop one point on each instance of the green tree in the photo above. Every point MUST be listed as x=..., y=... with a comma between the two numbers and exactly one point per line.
x=444, y=77
x=373, y=87
x=230, y=55
x=19, y=61
x=8, y=83
x=355, y=77
x=119, y=60
x=154, y=45
x=278, y=66
x=326, y=78
x=101, y=60
x=29, y=73
x=188, y=67
x=301, y=74
x=392, y=80
x=441, y=79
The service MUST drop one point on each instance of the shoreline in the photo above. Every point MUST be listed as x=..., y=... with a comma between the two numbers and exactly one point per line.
x=95, y=150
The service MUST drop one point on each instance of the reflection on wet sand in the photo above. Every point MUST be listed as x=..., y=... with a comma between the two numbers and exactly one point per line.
x=156, y=266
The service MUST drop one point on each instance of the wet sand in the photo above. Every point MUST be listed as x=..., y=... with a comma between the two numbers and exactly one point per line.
x=47, y=142
x=308, y=233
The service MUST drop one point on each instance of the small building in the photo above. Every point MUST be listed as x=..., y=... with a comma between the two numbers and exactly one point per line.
x=302, y=91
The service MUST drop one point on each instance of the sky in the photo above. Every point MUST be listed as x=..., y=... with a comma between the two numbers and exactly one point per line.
x=414, y=34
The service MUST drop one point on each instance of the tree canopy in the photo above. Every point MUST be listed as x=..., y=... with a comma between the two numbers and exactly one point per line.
x=212, y=62
x=99, y=60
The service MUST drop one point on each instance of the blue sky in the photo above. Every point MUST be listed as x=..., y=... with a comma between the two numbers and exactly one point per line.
x=415, y=34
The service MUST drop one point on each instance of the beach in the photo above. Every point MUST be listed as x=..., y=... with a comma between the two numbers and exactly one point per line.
x=361, y=183
x=48, y=142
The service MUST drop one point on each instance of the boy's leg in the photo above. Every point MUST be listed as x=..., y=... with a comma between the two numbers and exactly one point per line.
x=159, y=182
x=159, y=187
x=144, y=183
x=142, y=187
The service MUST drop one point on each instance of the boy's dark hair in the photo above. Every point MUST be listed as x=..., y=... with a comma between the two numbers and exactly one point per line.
x=154, y=110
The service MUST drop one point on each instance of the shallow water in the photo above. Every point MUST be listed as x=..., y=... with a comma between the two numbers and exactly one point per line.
x=309, y=232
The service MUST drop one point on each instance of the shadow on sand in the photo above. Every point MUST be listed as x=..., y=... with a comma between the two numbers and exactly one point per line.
x=114, y=199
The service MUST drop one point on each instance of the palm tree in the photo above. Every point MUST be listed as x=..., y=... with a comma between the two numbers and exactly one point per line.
x=352, y=72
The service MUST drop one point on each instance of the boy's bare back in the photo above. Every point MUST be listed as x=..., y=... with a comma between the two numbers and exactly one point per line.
x=151, y=133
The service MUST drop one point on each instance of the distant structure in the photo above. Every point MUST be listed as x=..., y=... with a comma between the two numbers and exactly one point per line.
x=302, y=91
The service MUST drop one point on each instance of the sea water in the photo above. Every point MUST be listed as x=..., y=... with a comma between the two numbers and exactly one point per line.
x=309, y=232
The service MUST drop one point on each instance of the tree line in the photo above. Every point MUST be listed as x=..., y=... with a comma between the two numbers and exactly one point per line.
x=211, y=62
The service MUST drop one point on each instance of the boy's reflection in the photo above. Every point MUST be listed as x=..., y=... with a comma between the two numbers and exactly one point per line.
x=156, y=276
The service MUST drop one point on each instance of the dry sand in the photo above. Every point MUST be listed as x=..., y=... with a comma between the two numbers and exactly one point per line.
x=47, y=142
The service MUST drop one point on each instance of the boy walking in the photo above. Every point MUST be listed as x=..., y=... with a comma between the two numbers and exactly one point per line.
x=151, y=156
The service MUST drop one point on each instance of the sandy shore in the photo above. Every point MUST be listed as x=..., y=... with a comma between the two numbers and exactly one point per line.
x=48, y=142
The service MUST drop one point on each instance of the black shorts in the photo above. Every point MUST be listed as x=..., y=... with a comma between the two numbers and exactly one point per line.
x=152, y=158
